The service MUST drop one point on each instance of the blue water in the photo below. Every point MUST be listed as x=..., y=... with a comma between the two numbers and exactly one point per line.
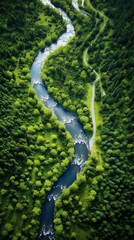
x=72, y=124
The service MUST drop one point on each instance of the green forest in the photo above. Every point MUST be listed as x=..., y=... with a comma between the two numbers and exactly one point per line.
x=35, y=148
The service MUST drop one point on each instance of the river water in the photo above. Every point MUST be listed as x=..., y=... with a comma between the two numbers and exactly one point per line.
x=72, y=124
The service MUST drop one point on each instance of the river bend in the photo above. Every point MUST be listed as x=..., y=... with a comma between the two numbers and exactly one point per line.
x=72, y=124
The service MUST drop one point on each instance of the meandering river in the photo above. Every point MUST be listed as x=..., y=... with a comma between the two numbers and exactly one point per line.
x=81, y=142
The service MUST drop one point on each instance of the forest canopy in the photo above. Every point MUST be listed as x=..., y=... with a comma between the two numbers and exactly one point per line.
x=35, y=148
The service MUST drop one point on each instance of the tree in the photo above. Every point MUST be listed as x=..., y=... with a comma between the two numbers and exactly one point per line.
x=65, y=193
x=30, y=129
x=73, y=235
x=38, y=183
x=37, y=162
x=40, y=139
x=64, y=214
x=36, y=211
x=29, y=162
x=19, y=206
x=99, y=168
x=36, y=112
x=83, y=75
x=3, y=191
x=7, y=228
x=92, y=195
x=53, y=152
x=59, y=229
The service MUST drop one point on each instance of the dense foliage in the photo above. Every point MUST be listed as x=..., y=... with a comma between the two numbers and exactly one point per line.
x=35, y=148
x=65, y=68
x=99, y=204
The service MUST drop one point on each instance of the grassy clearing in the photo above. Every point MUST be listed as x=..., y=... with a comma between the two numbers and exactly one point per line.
x=85, y=57
x=99, y=122
x=89, y=95
x=98, y=116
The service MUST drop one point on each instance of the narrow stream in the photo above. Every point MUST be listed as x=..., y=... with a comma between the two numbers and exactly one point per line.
x=81, y=142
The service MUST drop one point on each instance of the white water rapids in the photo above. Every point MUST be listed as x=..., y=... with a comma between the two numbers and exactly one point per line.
x=81, y=142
